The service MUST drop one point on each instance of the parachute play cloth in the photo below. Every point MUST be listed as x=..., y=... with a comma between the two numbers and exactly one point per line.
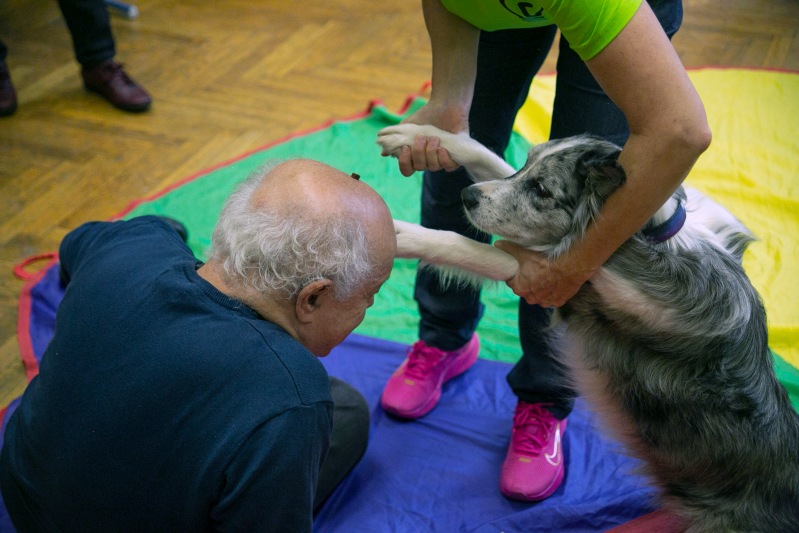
x=440, y=473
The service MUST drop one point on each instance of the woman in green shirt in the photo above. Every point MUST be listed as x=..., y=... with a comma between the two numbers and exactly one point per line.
x=619, y=78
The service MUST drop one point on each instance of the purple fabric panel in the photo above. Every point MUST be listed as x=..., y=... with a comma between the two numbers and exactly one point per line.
x=45, y=297
x=441, y=472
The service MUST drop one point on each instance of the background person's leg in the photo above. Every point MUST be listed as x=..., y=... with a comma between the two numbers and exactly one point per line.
x=90, y=28
x=93, y=42
x=8, y=95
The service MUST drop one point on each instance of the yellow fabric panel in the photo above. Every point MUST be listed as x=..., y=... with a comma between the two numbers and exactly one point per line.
x=752, y=168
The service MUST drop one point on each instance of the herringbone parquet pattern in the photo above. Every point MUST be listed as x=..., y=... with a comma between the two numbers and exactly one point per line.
x=228, y=77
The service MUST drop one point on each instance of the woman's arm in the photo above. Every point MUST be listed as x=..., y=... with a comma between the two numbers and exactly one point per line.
x=454, y=45
x=640, y=71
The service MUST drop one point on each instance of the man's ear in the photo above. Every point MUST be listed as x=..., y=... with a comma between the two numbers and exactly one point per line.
x=311, y=298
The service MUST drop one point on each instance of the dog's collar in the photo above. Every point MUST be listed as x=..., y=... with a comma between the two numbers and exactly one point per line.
x=669, y=228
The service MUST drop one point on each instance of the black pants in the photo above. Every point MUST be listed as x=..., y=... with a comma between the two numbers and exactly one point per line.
x=90, y=28
x=506, y=64
x=348, y=442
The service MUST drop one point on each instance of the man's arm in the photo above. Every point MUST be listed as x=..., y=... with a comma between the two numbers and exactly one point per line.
x=80, y=242
x=641, y=73
x=71, y=249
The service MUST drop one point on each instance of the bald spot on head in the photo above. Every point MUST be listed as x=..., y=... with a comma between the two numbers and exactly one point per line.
x=324, y=192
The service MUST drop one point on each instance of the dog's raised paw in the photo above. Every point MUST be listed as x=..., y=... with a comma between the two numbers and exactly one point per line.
x=411, y=242
x=393, y=138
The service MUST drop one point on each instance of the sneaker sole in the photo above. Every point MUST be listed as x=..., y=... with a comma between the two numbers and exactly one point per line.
x=453, y=372
x=541, y=495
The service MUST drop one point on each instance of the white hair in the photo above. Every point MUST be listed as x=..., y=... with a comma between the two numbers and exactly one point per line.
x=278, y=253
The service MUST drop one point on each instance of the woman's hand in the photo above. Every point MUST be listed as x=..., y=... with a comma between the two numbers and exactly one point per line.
x=454, y=43
x=426, y=152
x=541, y=281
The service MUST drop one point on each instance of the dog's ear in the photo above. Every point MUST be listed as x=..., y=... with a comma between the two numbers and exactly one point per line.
x=603, y=176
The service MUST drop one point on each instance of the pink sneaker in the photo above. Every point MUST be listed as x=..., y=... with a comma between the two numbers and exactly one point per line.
x=415, y=387
x=533, y=468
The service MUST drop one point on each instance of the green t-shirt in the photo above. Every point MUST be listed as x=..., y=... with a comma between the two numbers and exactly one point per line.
x=588, y=25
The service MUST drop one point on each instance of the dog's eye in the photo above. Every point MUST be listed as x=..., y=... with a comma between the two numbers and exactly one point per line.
x=542, y=191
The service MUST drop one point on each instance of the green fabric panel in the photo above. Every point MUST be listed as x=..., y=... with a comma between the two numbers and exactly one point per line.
x=351, y=147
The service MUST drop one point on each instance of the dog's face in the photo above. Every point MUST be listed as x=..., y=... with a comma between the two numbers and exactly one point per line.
x=558, y=192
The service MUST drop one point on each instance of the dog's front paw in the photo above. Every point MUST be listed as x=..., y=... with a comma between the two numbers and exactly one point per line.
x=410, y=243
x=393, y=138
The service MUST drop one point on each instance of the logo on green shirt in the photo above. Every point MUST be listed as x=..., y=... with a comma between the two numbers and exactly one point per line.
x=523, y=10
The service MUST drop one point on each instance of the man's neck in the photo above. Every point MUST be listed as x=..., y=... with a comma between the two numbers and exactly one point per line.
x=266, y=309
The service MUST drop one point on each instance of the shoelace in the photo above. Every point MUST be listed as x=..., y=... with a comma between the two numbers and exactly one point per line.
x=532, y=424
x=421, y=360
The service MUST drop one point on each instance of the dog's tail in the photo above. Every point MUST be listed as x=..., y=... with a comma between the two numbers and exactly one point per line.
x=732, y=234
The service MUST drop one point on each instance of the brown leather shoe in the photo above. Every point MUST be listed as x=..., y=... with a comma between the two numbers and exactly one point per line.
x=109, y=80
x=8, y=96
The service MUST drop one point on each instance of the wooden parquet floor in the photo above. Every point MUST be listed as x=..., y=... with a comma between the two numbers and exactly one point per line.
x=228, y=77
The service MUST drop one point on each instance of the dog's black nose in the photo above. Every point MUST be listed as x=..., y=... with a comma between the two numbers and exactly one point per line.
x=470, y=196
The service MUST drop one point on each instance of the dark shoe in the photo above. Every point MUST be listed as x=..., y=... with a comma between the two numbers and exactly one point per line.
x=109, y=80
x=8, y=96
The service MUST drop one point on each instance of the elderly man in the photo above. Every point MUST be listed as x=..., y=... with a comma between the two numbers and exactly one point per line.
x=182, y=396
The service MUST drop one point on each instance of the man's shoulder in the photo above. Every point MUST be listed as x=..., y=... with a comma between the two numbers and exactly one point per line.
x=251, y=359
x=140, y=237
x=147, y=231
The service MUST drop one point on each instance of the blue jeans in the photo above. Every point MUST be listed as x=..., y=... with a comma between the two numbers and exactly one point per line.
x=506, y=65
x=90, y=29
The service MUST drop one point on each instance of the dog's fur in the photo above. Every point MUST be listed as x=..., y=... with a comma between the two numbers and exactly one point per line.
x=668, y=340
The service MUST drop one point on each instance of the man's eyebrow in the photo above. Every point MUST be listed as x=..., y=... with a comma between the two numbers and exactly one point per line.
x=355, y=176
